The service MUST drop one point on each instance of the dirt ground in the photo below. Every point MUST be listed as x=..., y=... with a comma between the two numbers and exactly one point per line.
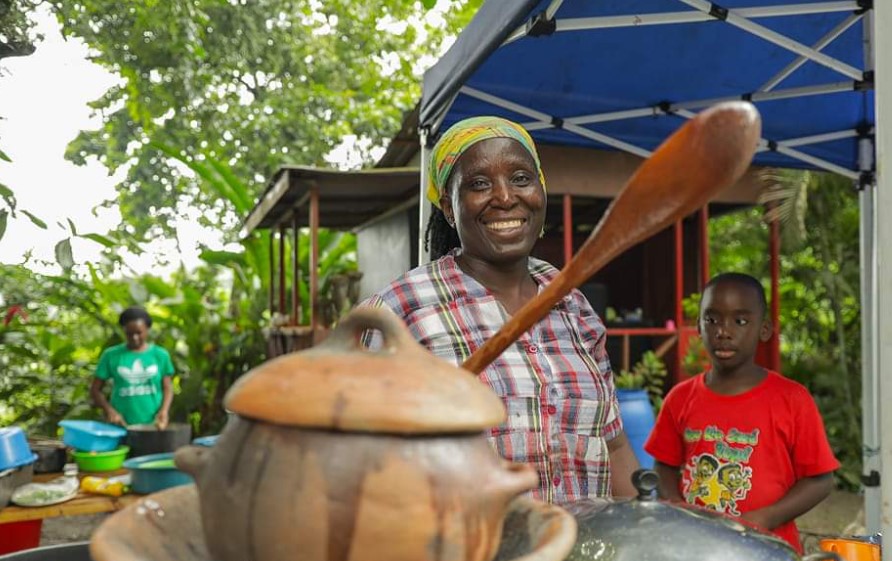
x=841, y=514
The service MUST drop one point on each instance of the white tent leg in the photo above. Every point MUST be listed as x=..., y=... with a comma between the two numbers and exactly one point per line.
x=424, y=207
x=882, y=49
x=869, y=380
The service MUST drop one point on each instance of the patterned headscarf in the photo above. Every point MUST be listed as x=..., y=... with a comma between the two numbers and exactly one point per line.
x=464, y=134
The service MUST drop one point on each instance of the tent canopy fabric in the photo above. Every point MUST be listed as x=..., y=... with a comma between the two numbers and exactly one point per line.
x=624, y=74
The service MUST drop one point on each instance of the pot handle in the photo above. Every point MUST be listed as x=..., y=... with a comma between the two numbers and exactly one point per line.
x=192, y=459
x=513, y=479
x=348, y=333
x=823, y=556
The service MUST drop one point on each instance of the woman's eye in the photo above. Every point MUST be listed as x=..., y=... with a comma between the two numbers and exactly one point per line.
x=478, y=184
x=522, y=178
x=742, y=321
x=708, y=319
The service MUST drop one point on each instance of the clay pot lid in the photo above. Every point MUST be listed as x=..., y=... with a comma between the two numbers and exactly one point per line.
x=340, y=385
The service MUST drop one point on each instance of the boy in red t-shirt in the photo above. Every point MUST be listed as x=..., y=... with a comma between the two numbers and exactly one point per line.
x=738, y=438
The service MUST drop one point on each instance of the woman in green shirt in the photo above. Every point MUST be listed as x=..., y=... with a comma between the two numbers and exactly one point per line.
x=140, y=373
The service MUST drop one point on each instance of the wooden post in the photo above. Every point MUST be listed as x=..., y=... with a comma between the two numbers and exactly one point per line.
x=314, y=255
x=774, y=264
x=679, y=294
x=704, y=245
x=282, y=307
x=568, y=228
x=272, y=273
x=295, y=271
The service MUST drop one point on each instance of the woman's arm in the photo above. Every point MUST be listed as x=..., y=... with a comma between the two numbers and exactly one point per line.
x=670, y=478
x=161, y=418
x=111, y=415
x=623, y=464
x=802, y=497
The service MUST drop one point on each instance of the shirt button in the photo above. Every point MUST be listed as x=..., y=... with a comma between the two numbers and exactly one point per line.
x=533, y=349
x=551, y=409
x=557, y=480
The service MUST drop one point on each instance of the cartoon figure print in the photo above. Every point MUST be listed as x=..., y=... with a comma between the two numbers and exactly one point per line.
x=715, y=484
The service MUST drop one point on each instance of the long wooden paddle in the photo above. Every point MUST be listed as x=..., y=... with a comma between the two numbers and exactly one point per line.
x=707, y=154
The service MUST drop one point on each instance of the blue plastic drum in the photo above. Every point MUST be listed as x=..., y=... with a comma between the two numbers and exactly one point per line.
x=638, y=420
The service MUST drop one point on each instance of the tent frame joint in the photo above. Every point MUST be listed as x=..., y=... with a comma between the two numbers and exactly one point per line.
x=541, y=25
x=865, y=180
x=871, y=479
x=863, y=6
x=718, y=12
x=866, y=83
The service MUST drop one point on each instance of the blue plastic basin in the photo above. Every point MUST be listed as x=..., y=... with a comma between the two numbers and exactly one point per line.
x=206, y=440
x=14, y=449
x=146, y=477
x=91, y=436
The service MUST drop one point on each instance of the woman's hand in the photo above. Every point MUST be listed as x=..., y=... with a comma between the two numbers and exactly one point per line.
x=114, y=417
x=161, y=420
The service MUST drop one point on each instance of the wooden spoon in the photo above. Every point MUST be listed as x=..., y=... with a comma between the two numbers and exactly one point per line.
x=707, y=154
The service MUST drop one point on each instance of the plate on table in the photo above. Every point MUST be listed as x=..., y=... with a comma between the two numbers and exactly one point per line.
x=44, y=494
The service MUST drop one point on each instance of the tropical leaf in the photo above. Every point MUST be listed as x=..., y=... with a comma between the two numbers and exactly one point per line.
x=224, y=258
x=72, y=227
x=3, y=217
x=4, y=157
x=101, y=240
x=37, y=221
x=785, y=197
x=63, y=254
x=6, y=193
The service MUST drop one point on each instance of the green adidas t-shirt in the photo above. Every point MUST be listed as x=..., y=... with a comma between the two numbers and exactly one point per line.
x=136, y=380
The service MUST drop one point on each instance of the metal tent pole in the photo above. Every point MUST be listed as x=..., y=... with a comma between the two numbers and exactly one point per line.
x=882, y=51
x=424, y=206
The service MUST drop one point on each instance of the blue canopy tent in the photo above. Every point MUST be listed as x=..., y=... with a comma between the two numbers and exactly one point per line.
x=624, y=74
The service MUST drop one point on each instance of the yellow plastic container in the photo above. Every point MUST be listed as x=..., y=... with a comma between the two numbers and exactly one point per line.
x=103, y=486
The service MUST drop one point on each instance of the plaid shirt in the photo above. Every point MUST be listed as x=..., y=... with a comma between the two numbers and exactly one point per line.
x=555, y=381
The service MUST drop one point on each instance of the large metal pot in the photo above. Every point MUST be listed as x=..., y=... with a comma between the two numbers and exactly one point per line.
x=645, y=529
x=339, y=452
x=149, y=439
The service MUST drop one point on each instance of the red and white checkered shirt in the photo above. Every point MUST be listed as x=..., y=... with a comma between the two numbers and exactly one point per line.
x=555, y=381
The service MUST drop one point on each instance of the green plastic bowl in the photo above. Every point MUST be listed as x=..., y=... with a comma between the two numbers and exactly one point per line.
x=101, y=461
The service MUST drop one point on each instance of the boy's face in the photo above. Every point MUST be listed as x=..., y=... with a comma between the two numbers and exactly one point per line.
x=732, y=322
x=136, y=332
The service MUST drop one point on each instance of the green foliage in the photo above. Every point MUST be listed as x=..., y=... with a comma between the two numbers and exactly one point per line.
x=690, y=306
x=820, y=309
x=696, y=359
x=254, y=85
x=649, y=373
x=17, y=35
x=48, y=355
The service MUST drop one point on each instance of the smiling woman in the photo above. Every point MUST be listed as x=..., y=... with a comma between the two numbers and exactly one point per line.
x=555, y=381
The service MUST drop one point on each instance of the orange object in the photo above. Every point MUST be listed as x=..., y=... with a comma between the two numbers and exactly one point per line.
x=851, y=550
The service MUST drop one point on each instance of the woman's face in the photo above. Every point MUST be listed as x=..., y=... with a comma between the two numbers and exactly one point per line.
x=496, y=201
x=137, y=334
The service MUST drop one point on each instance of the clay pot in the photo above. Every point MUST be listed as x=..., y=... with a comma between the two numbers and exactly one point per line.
x=341, y=453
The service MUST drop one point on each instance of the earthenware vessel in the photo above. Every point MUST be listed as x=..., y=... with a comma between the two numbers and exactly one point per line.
x=342, y=453
x=166, y=526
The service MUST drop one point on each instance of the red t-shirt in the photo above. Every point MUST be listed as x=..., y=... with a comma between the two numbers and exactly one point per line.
x=742, y=452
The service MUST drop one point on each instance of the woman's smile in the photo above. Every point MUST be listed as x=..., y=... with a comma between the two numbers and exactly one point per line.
x=505, y=226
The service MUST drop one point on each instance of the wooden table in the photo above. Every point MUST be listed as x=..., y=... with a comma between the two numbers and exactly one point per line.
x=83, y=503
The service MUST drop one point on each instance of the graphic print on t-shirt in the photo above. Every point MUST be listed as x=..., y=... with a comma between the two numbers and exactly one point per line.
x=138, y=379
x=720, y=477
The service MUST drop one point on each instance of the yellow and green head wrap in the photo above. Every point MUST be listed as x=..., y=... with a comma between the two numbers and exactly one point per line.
x=461, y=136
